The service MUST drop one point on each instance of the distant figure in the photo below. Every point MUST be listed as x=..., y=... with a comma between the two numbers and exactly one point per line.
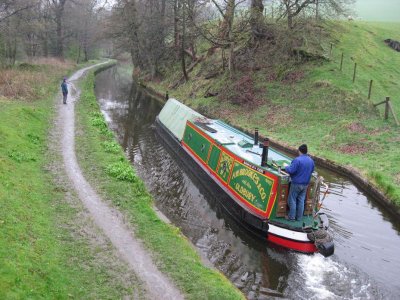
x=350, y=18
x=64, y=89
x=300, y=171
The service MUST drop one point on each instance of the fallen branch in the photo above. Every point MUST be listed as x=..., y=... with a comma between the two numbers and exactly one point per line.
x=191, y=67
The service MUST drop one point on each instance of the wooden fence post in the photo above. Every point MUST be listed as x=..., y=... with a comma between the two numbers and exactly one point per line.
x=393, y=114
x=355, y=70
x=387, y=108
x=341, y=62
x=370, y=89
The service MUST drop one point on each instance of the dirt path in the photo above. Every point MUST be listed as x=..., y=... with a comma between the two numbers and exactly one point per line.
x=109, y=220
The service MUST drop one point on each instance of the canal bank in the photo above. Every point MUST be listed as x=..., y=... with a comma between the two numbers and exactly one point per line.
x=106, y=167
x=351, y=173
x=365, y=263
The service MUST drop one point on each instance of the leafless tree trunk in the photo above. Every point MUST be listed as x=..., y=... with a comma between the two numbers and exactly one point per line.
x=256, y=17
x=176, y=30
x=183, y=63
x=58, y=8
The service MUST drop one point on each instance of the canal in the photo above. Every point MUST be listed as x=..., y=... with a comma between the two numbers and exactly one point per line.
x=366, y=263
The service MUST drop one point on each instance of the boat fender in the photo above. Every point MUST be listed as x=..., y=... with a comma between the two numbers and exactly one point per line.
x=323, y=241
x=326, y=248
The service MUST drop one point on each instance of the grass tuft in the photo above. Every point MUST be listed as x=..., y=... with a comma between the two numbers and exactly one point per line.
x=111, y=147
x=121, y=171
x=20, y=157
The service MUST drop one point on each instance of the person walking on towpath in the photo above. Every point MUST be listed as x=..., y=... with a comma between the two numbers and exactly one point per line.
x=64, y=89
x=300, y=171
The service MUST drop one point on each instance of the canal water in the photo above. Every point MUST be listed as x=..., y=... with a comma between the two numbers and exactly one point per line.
x=366, y=263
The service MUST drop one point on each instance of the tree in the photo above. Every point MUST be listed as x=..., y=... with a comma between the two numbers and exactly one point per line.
x=294, y=8
x=58, y=7
x=328, y=8
x=257, y=17
x=9, y=8
x=85, y=26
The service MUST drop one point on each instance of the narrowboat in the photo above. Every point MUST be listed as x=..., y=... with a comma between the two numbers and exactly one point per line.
x=248, y=178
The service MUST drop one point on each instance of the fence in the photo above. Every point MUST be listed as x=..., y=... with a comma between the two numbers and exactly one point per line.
x=352, y=70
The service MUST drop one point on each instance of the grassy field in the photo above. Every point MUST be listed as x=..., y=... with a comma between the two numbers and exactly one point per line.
x=319, y=104
x=105, y=164
x=44, y=254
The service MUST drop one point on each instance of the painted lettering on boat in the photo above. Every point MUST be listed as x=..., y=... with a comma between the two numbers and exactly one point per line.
x=251, y=185
x=245, y=192
x=253, y=167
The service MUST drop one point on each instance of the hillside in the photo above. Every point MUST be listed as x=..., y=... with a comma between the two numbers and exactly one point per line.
x=315, y=102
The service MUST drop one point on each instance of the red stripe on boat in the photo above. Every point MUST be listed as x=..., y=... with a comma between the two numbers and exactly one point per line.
x=305, y=247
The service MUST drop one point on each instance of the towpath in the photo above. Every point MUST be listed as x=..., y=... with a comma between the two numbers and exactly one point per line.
x=108, y=219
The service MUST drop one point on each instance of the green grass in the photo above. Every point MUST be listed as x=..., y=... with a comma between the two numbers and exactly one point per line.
x=112, y=173
x=42, y=254
x=324, y=109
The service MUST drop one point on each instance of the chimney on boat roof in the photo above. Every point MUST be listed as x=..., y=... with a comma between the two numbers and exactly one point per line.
x=256, y=136
x=264, y=157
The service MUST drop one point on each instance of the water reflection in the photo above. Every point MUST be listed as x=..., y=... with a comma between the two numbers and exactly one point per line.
x=366, y=262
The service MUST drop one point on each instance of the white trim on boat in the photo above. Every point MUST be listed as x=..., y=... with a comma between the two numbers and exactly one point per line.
x=288, y=234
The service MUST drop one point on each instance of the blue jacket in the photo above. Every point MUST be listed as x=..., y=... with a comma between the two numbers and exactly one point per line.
x=300, y=169
x=64, y=87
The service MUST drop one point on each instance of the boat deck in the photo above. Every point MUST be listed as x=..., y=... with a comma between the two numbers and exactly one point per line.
x=307, y=220
x=242, y=145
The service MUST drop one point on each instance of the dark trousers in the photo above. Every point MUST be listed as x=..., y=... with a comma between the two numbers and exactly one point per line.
x=65, y=95
x=297, y=196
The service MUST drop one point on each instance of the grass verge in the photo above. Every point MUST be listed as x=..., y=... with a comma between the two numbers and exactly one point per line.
x=104, y=163
x=43, y=253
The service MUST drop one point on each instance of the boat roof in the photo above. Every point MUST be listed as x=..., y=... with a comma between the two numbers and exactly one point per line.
x=175, y=115
x=241, y=144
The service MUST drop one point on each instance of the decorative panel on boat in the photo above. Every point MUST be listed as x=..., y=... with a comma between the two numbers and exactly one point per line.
x=252, y=186
x=308, y=208
x=214, y=157
x=225, y=166
x=281, y=210
x=198, y=143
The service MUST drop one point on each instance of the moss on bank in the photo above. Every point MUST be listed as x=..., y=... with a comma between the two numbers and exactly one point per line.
x=105, y=165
